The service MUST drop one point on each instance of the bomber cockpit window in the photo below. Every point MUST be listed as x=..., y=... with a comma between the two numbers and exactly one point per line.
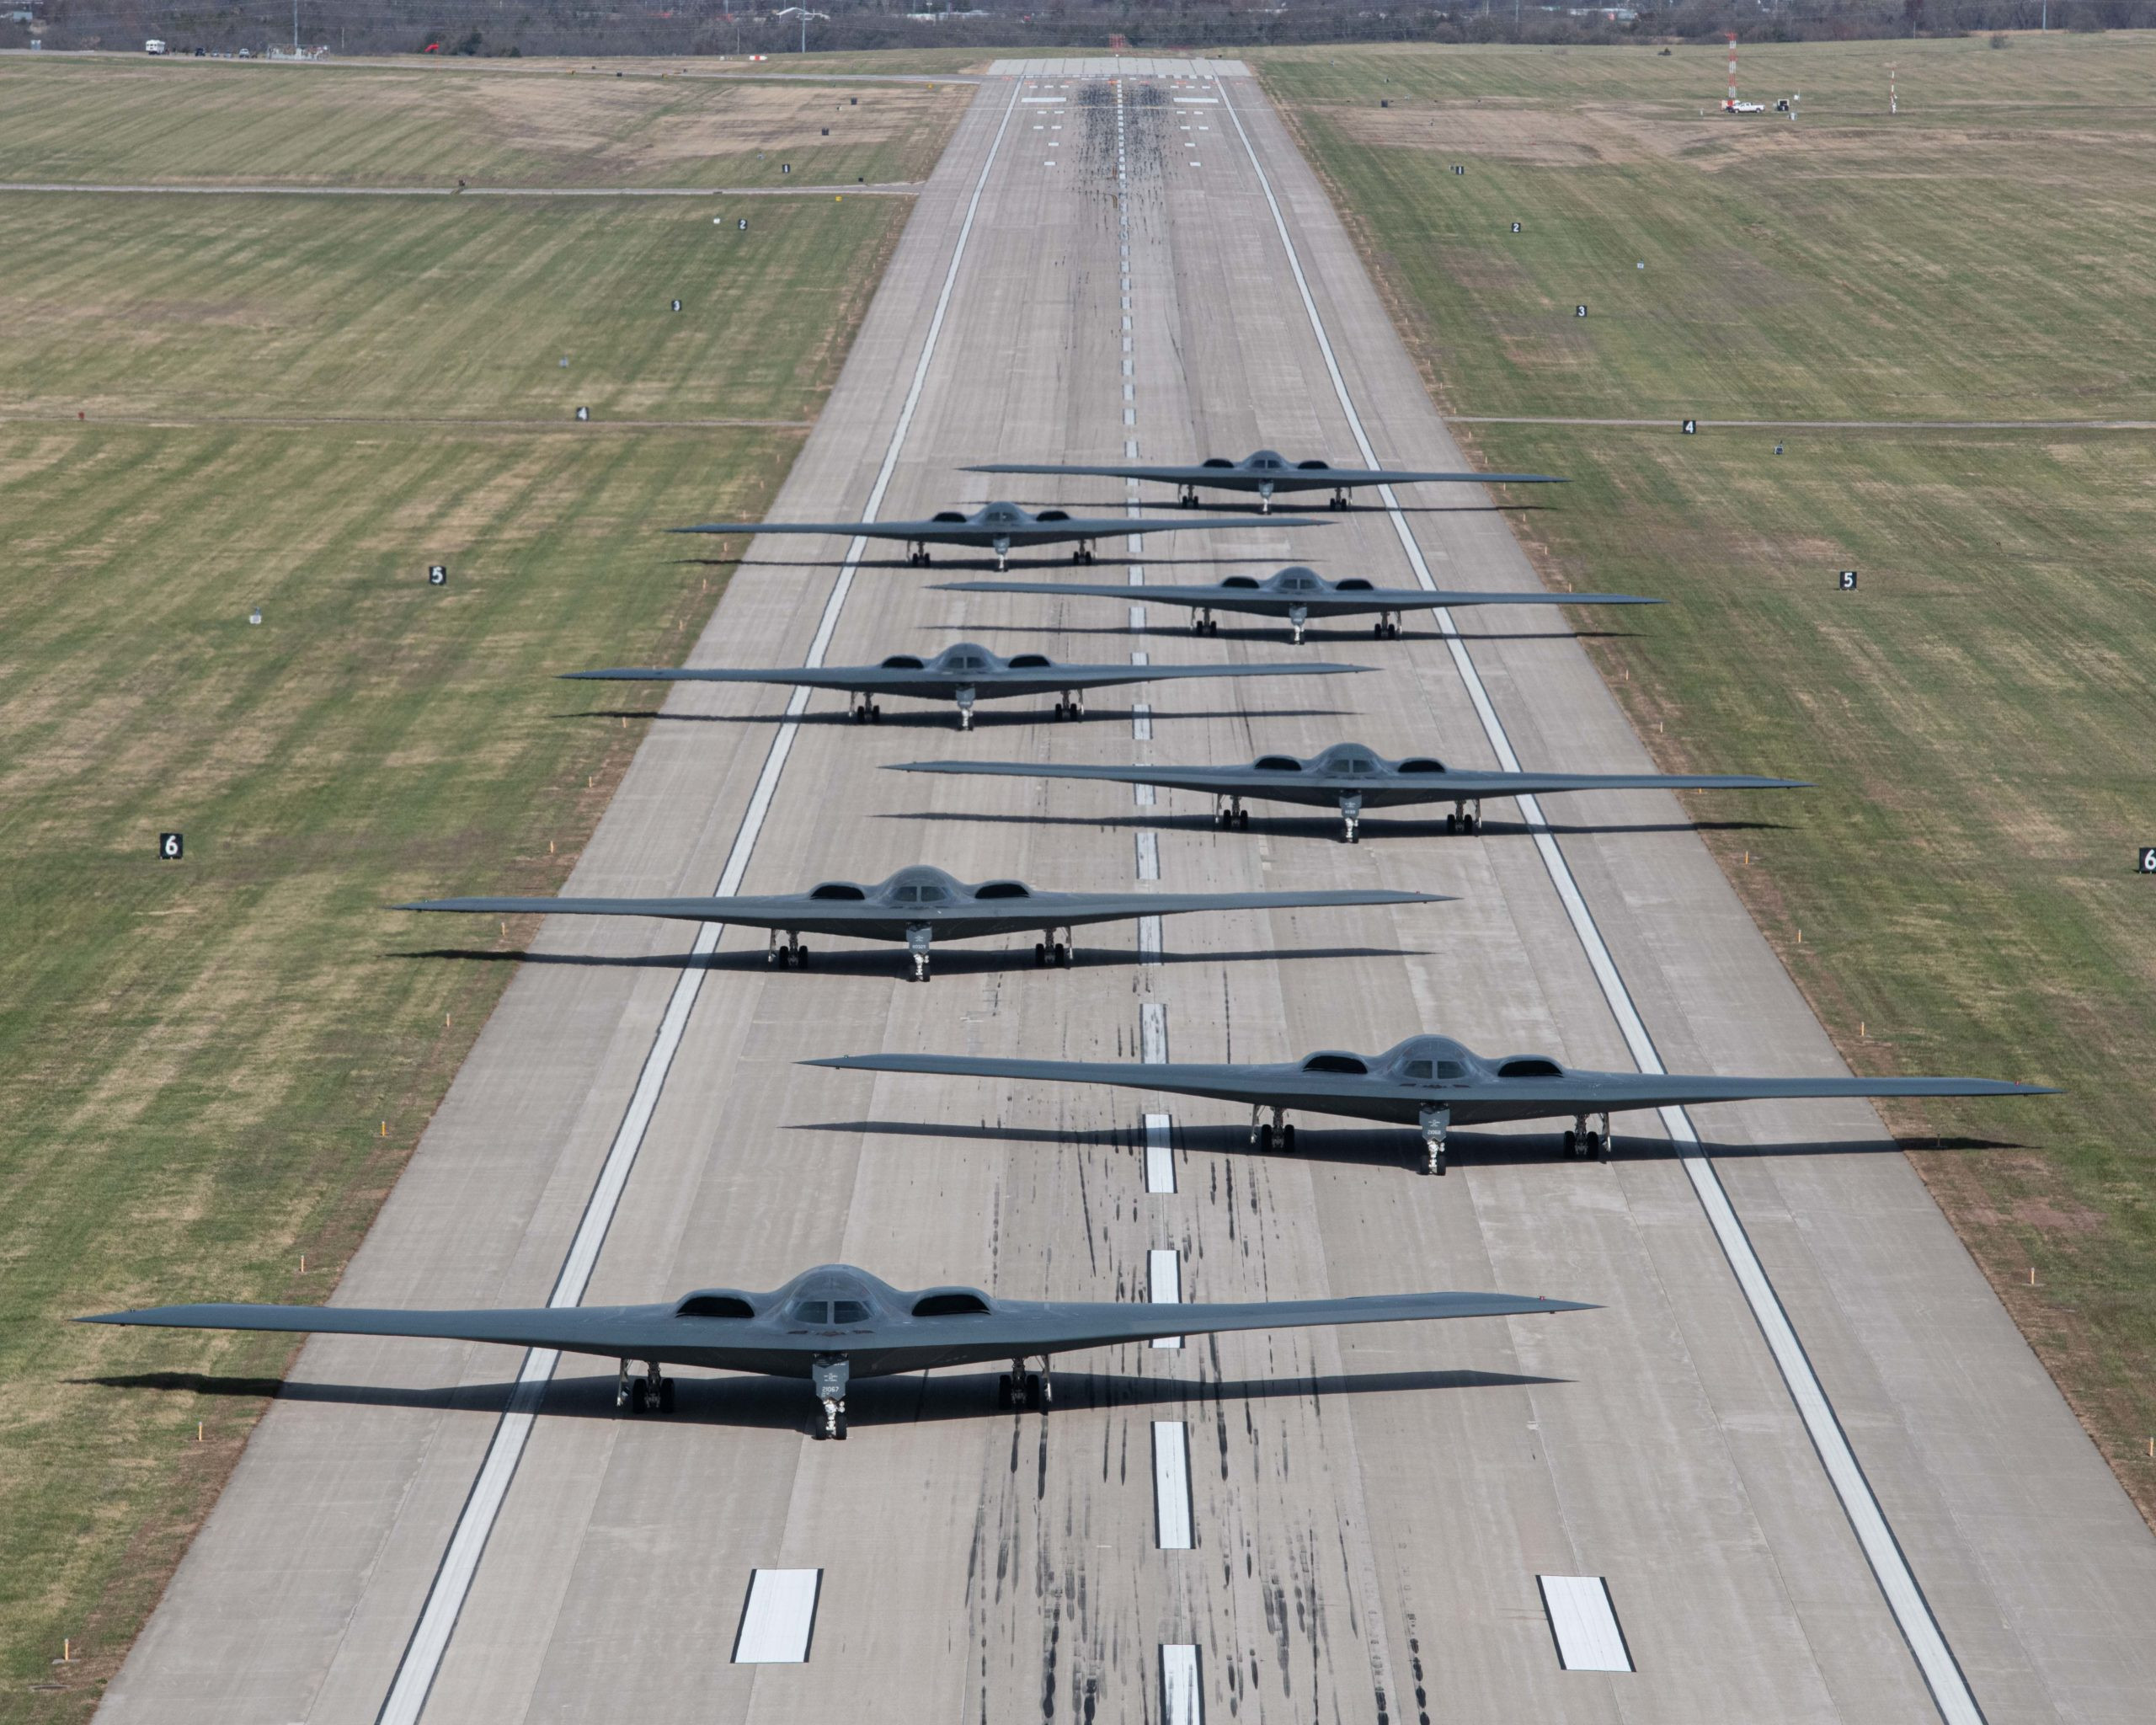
x=812, y=1311
x=1419, y=1069
x=849, y=1312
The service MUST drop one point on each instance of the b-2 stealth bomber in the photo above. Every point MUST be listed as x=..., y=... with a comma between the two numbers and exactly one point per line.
x=917, y=905
x=1352, y=778
x=833, y=1323
x=1002, y=528
x=1267, y=472
x=1431, y=1083
x=964, y=673
x=1300, y=596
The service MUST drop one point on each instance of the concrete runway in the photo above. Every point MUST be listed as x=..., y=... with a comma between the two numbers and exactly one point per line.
x=1371, y=1509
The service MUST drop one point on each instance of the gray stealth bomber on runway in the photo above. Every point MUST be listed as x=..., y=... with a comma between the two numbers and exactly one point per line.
x=965, y=673
x=1266, y=471
x=919, y=904
x=1352, y=778
x=1429, y=1081
x=1300, y=595
x=1001, y=527
x=831, y=1323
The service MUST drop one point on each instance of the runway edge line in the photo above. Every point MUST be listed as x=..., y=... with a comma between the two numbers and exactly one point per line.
x=1927, y=1642
x=416, y=1670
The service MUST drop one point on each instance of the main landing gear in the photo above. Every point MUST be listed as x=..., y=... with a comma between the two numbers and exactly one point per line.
x=1581, y=1142
x=827, y=1376
x=867, y=712
x=1049, y=950
x=1084, y=553
x=1464, y=818
x=788, y=952
x=1434, y=1121
x=1229, y=811
x=1388, y=627
x=1205, y=624
x=1018, y=1388
x=648, y=1394
x=917, y=555
x=1275, y=1133
x=1069, y=705
x=1339, y=500
x=1187, y=497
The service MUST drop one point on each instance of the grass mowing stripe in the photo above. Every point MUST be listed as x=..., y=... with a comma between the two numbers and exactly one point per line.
x=1897, y=1582
x=407, y=1698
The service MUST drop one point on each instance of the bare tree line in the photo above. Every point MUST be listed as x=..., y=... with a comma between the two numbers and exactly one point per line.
x=701, y=27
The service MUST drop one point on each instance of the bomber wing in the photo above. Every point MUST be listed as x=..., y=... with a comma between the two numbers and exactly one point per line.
x=1446, y=786
x=1367, y=598
x=788, y=910
x=616, y=1329
x=1073, y=909
x=1608, y=1092
x=1047, y=1327
x=1222, y=1083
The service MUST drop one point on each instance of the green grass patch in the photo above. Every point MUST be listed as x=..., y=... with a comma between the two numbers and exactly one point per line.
x=187, y=122
x=198, y=1060
x=1974, y=711
x=449, y=309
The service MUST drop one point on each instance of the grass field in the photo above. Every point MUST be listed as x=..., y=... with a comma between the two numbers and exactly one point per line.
x=522, y=123
x=214, y=1069
x=1977, y=708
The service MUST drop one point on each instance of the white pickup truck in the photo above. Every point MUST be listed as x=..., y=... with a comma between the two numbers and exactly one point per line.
x=153, y=46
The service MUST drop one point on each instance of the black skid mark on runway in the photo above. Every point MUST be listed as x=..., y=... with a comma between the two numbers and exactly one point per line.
x=1048, y=1665
x=1415, y=1666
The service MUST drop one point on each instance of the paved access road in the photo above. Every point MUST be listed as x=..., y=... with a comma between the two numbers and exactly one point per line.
x=1370, y=1509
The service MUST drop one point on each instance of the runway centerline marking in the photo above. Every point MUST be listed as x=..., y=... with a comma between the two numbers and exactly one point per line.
x=452, y=1583
x=1927, y=1642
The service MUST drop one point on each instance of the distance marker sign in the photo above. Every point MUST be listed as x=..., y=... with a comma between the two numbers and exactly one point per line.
x=437, y=574
x=1848, y=582
x=171, y=846
x=2147, y=863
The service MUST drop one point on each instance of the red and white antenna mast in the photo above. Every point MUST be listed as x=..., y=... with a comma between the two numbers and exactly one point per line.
x=1731, y=102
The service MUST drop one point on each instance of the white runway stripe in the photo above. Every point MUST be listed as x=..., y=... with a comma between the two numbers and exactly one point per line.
x=1160, y=1154
x=778, y=1618
x=1172, y=1529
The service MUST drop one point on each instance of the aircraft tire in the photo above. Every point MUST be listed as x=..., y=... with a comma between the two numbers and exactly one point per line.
x=666, y=1395
x=1040, y=952
x=1264, y=1139
x=1243, y=818
x=839, y=1433
x=1572, y=1143
x=1063, y=954
x=1288, y=1138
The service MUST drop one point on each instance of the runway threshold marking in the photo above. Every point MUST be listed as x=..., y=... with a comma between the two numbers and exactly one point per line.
x=1927, y=1642
x=430, y=1636
x=1584, y=1623
x=778, y=1619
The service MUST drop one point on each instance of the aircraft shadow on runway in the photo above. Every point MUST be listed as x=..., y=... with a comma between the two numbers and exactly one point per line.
x=1383, y=1146
x=942, y=715
x=1374, y=827
x=889, y=960
x=782, y=1404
